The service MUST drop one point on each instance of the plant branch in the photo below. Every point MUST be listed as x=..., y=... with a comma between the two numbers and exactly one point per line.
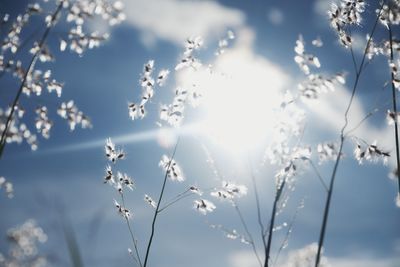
x=137, y=258
x=158, y=206
x=396, y=131
x=318, y=174
x=247, y=231
x=259, y=217
x=176, y=199
x=288, y=232
x=353, y=58
x=360, y=122
x=279, y=190
x=28, y=71
x=342, y=139
x=371, y=113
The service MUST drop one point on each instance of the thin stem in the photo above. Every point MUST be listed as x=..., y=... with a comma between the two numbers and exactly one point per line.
x=158, y=206
x=288, y=232
x=327, y=204
x=372, y=112
x=278, y=194
x=353, y=58
x=28, y=71
x=212, y=163
x=176, y=199
x=137, y=258
x=259, y=217
x=342, y=139
x=396, y=131
x=242, y=220
x=318, y=174
x=361, y=122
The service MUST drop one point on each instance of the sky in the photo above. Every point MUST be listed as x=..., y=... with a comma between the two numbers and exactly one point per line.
x=62, y=182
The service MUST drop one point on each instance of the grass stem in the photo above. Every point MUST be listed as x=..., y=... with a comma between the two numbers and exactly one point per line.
x=27, y=73
x=396, y=131
x=158, y=207
x=342, y=139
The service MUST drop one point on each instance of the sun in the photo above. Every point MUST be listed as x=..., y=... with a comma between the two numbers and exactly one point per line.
x=239, y=117
x=241, y=94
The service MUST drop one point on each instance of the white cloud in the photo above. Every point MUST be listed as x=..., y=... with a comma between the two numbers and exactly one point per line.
x=329, y=111
x=275, y=16
x=176, y=20
x=321, y=7
x=358, y=43
x=243, y=258
x=244, y=67
x=364, y=262
x=149, y=40
x=304, y=257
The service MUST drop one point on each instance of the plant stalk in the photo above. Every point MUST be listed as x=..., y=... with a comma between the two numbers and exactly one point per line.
x=137, y=258
x=396, y=131
x=342, y=139
x=28, y=71
x=158, y=206
x=272, y=222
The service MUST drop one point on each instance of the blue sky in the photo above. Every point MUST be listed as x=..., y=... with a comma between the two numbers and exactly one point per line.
x=63, y=179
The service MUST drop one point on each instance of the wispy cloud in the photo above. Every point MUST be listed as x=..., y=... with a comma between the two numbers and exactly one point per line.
x=358, y=43
x=329, y=112
x=364, y=262
x=304, y=257
x=243, y=258
x=321, y=7
x=275, y=16
x=174, y=20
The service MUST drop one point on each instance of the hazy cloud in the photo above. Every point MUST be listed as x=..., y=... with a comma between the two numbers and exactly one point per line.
x=176, y=20
x=321, y=7
x=275, y=16
x=248, y=259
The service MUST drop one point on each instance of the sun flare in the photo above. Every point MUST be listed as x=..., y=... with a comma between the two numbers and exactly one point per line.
x=238, y=117
x=239, y=104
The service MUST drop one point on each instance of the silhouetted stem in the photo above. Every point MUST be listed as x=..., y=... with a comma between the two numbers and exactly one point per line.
x=396, y=131
x=318, y=174
x=259, y=218
x=179, y=197
x=137, y=258
x=288, y=232
x=28, y=71
x=246, y=228
x=278, y=194
x=342, y=139
x=327, y=204
x=153, y=225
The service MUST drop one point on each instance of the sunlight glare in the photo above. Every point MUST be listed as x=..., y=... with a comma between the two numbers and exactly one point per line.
x=238, y=104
